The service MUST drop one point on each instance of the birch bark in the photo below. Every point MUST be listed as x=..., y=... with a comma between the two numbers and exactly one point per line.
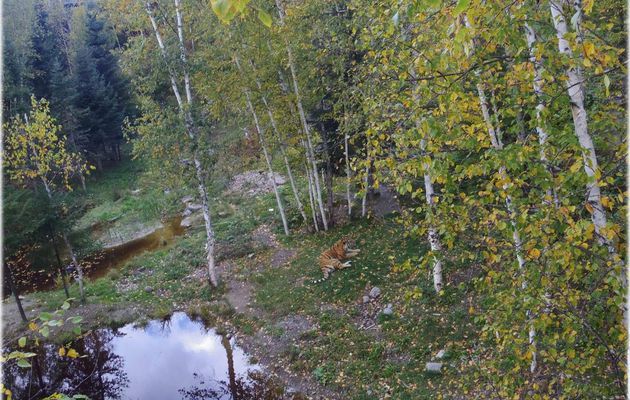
x=310, y=152
x=495, y=140
x=274, y=126
x=263, y=144
x=191, y=130
x=575, y=89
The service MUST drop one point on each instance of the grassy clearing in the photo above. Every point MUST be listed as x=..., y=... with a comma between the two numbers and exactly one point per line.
x=366, y=363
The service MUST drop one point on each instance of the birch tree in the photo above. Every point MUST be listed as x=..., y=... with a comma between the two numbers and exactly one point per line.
x=36, y=152
x=263, y=144
x=186, y=114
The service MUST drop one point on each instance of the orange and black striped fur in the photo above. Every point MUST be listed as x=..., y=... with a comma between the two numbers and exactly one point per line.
x=332, y=258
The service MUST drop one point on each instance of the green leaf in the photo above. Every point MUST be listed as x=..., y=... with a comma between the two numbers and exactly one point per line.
x=22, y=341
x=460, y=7
x=45, y=331
x=75, y=319
x=65, y=305
x=45, y=316
x=265, y=18
x=22, y=363
x=434, y=3
x=607, y=85
x=221, y=8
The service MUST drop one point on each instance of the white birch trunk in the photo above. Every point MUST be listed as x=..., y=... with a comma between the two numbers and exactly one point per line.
x=298, y=100
x=263, y=144
x=274, y=126
x=516, y=237
x=575, y=90
x=366, y=183
x=185, y=112
x=429, y=192
x=348, y=173
x=311, y=196
x=537, y=82
x=433, y=236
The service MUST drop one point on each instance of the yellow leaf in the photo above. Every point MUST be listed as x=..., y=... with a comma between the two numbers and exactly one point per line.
x=72, y=353
x=534, y=253
x=32, y=326
x=62, y=351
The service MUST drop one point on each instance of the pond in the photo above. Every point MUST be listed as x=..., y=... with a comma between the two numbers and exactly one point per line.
x=174, y=358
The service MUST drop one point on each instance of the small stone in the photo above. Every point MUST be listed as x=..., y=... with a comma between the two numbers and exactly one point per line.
x=167, y=191
x=440, y=355
x=366, y=299
x=433, y=367
x=148, y=289
x=194, y=207
x=388, y=310
x=186, y=212
x=136, y=191
x=375, y=292
x=187, y=199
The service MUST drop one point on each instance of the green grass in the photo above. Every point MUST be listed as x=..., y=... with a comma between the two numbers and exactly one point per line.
x=341, y=355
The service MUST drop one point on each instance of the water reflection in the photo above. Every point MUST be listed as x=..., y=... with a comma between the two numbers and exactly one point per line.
x=168, y=359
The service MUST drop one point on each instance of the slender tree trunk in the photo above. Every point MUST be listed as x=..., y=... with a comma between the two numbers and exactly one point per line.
x=348, y=173
x=9, y=277
x=433, y=236
x=263, y=144
x=328, y=181
x=272, y=119
x=516, y=238
x=575, y=90
x=551, y=193
x=365, y=195
x=311, y=196
x=69, y=247
x=495, y=140
x=302, y=115
x=296, y=194
x=231, y=372
x=62, y=274
x=191, y=130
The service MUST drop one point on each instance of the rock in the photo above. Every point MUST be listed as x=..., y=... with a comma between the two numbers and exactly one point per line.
x=167, y=191
x=375, y=292
x=433, y=367
x=440, y=355
x=190, y=220
x=148, y=289
x=366, y=299
x=388, y=310
x=136, y=191
x=186, y=212
x=194, y=207
x=187, y=199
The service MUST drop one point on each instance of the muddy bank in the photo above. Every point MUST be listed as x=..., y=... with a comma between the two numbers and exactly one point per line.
x=101, y=262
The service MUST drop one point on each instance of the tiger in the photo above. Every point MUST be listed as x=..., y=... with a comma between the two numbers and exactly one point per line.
x=332, y=258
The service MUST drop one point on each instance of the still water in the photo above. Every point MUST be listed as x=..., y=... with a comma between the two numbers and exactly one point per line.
x=175, y=358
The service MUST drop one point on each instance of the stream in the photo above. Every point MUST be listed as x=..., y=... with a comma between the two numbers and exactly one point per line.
x=174, y=358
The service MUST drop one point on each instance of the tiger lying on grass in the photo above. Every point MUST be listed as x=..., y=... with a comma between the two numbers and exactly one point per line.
x=332, y=258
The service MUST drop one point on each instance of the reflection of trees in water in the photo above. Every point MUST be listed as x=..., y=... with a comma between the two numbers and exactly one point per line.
x=99, y=375
x=255, y=385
